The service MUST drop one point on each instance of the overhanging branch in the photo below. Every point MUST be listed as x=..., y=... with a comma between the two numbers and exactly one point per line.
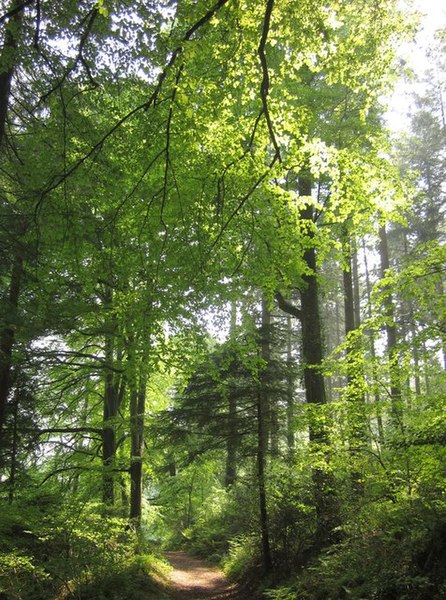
x=288, y=306
x=264, y=86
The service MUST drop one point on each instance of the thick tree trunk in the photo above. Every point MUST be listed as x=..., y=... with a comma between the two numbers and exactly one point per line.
x=8, y=335
x=312, y=350
x=312, y=355
x=312, y=344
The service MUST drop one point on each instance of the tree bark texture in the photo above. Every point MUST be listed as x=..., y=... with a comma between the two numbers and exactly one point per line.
x=262, y=412
x=8, y=335
x=137, y=411
x=7, y=64
x=391, y=332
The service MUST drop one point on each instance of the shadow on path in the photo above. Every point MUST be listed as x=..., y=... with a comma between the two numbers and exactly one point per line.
x=195, y=579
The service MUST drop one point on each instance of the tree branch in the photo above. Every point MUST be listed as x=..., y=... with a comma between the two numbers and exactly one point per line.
x=59, y=179
x=15, y=10
x=264, y=86
x=64, y=430
x=287, y=306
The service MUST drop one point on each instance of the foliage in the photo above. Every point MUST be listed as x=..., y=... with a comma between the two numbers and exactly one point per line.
x=69, y=550
x=160, y=162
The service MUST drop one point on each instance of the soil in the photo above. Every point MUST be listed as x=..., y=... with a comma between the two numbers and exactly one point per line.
x=195, y=579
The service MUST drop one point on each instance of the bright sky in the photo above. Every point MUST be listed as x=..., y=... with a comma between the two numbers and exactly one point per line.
x=415, y=56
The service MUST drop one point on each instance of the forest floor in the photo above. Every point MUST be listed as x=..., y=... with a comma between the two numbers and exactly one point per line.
x=195, y=579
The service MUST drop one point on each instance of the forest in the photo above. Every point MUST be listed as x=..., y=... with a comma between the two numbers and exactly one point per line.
x=222, y=314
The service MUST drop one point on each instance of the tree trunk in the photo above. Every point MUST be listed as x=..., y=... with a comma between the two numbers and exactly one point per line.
x=312, y=344
x=392, y=350
x=137, y=411
x=312, y=350
x=232, y=439
x=8, y=334
x=7, y=63
x=356, y=284
x=356, y=419
x=14, y=449
x=110, y=409
x=262, y=411
x=376, y=397
x=290, y=391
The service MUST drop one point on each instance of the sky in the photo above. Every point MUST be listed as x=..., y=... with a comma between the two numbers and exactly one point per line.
x=415, y=56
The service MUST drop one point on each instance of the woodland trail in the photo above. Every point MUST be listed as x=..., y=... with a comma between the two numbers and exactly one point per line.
x=195, y=579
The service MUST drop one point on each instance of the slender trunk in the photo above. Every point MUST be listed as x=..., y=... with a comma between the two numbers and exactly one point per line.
x=262, y=411
x=392, y=349
x=14, y=449
x=290, y=391
x=232, y=439
x=231, y=442
x=137, y=411
x=7, y=64
x=8, y=335
x=110, y=411
x=357, y=426
x=356, y=285
x=376, y=396
x=426, y=369
x=109, y=434
x=349, y=310
x=415, y=350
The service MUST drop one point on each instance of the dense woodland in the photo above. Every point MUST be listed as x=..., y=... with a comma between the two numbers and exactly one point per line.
x=222, y=320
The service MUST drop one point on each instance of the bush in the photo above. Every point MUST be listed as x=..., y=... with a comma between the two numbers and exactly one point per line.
x=74, y=552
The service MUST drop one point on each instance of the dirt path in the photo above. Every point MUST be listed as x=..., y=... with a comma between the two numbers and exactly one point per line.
x=194, y=579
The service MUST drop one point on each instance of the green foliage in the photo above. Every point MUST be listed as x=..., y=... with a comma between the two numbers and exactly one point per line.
x=73, y=551
x=150, y=174
x=243, y=558
x=389, y=551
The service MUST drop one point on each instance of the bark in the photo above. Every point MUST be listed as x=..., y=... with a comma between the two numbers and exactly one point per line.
x=110, y=410
x=231, y=442
x=8, y=335
x=290, y=391
x=356, y=285
x=312, y=354
x=232, y=439
x=376, y=396
x=357, y=424
x=312, y=350
x=137, y=411
x=14, y=449
x=312, y=342
x=7, y=63
x=391, y=333
x=352, y=322
x=262, y=412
